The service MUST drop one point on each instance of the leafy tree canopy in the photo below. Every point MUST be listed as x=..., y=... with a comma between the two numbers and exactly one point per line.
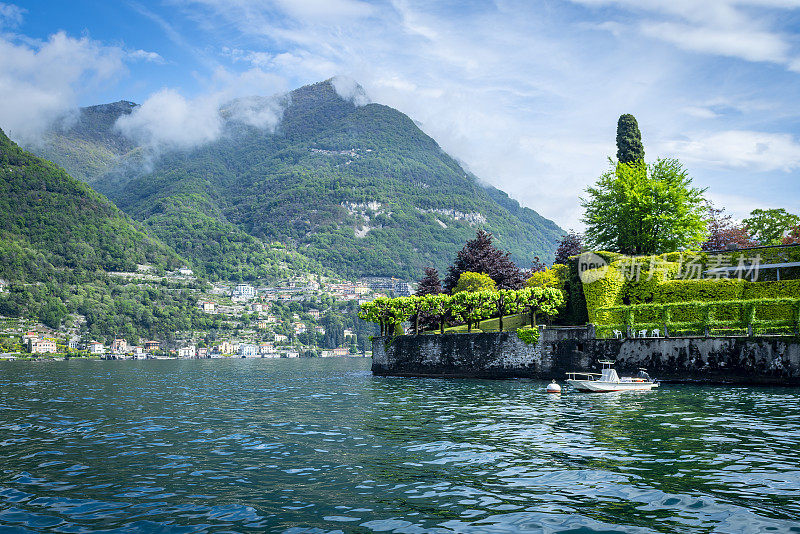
x=723, y=232
x=769, y=226
x=472, y=282
x=644, y=209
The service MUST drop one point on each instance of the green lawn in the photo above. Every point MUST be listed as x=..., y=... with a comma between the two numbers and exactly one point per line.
x=510, y=323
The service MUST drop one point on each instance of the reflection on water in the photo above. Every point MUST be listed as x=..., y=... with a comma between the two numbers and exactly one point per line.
x=322, y=446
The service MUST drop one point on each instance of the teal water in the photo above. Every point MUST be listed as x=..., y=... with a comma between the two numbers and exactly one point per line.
x=323, y=446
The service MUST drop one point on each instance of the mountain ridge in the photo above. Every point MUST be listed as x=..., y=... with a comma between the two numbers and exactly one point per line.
x=359, y=188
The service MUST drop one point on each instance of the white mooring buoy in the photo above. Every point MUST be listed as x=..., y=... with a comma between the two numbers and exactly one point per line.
x=552, y=387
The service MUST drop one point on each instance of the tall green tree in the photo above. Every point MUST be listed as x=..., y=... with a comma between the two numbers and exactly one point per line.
x=629, y=140
x=769, y=226
x=644, y=209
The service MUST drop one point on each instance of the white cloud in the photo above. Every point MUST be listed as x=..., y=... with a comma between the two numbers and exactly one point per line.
x=744, y=43
x=11, y=15
x=730, y=28
x=325, y=10
x=144, y=55
x=43, y=80
x=737, y=149
x=350, y=90
x=169, y=119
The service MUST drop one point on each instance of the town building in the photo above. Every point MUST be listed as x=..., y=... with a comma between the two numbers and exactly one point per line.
x=96, y=348
x=30, y=336
x=187, y=352
x=119, y=346
x=248, y=350
x=202, y=352
x=138, y=352
x=227, y=348
x=42, y=346
x=280, y=337
x=151, y=345
x=207, y=306
x=243, y=292
x=314, y=314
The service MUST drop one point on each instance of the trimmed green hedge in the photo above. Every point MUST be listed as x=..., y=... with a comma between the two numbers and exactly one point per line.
x=732, y=316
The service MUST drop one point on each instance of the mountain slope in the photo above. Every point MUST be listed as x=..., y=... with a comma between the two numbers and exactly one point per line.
x=360, y=189
x=50, y=221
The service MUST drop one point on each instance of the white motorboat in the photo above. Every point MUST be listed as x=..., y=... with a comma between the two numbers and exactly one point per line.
x=608, y=380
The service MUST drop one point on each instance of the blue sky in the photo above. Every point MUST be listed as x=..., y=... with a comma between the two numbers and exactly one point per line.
x=526, y=94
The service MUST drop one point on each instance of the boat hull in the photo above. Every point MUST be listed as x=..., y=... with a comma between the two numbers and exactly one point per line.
x=599, y=386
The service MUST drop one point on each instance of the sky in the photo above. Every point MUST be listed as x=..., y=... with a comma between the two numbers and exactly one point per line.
x=526, y=94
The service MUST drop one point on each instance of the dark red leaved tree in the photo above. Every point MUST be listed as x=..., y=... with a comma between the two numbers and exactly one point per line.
x=480, y=256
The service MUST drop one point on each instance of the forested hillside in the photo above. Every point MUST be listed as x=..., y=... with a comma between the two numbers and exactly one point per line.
x=360, y=189
x=50, y=221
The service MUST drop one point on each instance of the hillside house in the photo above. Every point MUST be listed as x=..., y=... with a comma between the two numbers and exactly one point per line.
x=96, y=348
x=207, y=306
x=30, y=336
x=119, y=346
x=150, y=346
x=243, y=292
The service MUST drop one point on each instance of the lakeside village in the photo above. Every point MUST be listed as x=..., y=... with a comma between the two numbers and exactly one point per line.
x=305, y=316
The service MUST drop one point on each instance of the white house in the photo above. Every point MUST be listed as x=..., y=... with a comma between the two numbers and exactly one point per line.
x=207, y=306
x=95, y=347
x=243, y=292
x=187, y=352
x=185, y=271
x=248, y=350
x=280, y=337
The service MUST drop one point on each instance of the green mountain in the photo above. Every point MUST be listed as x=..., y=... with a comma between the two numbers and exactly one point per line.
x=360, y=189
x=50, y=221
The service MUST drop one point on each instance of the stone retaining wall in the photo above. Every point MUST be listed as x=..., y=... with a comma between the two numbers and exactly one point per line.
x=765, y=360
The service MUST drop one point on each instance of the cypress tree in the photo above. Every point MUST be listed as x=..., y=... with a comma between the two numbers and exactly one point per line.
x=629, y=140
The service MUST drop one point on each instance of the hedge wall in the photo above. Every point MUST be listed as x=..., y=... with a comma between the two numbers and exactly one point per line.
x=635, y=291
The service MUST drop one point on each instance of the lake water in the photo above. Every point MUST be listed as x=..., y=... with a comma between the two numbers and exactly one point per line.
x=323, y=446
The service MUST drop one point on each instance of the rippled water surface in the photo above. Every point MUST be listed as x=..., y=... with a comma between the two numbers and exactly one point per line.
x=322, y=446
